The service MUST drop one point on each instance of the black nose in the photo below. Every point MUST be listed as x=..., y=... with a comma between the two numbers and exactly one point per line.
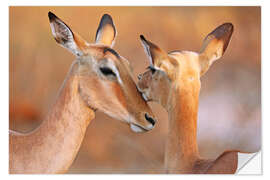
x=149, y=119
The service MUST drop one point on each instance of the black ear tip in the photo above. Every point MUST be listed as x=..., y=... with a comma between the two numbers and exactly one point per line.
x=51, y=15
x=142, y=38
x=224, y=30
x=228, y=26
x=106, y=18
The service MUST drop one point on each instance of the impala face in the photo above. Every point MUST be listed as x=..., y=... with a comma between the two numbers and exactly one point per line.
x=180, y=69
x=105, y=79
x=155, y=85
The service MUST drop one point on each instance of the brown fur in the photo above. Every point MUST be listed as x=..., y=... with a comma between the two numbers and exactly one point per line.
x=176, y=87
x=52, y=147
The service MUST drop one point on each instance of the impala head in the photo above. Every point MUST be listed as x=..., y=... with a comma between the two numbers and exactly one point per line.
x=180, y=69
x=105, y=79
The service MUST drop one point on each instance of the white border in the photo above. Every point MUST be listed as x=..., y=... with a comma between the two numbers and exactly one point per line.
x=136, y=3
x=5, y=71
x=253, y=166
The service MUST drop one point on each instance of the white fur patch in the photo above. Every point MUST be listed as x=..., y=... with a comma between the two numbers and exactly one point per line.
x=136, y=128
x=167, y=64
x=111, y=65
x=144, y=97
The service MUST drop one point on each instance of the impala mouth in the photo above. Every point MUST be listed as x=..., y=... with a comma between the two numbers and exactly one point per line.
x=138, y=129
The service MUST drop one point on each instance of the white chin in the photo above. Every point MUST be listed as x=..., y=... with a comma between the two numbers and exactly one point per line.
x=144, y=97
x=136, y=129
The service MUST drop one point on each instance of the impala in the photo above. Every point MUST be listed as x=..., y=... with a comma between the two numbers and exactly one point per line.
x=173, y=80
x=99, y=79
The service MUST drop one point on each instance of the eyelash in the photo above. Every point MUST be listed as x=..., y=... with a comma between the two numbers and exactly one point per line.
x=107, y=71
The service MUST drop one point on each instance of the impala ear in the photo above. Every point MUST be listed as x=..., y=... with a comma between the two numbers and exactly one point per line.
x=65, y=37
x=155, y=54
x=214, y=45
x=106, y=31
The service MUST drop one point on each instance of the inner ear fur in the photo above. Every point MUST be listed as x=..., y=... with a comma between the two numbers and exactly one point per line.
x=65, y=37
x=106, y=32
x=214, y=45
x=154, y=53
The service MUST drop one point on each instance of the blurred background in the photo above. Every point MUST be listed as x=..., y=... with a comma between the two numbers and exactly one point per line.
x=230, y=99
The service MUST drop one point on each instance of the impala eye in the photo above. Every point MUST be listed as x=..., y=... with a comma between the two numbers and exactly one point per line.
x=153, y=70
x=107, y=71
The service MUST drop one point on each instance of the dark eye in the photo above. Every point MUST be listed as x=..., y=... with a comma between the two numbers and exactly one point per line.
x=107, y=71
x=153, y=70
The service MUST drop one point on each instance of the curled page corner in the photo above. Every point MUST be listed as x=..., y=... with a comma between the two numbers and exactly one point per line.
x=249, y=163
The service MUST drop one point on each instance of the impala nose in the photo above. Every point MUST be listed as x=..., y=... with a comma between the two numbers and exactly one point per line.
x=150, y=119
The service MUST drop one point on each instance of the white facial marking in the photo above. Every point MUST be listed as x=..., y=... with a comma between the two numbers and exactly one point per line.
x=149, y=126
x=136, y=128
x=115, y=70
x=167, y=64
x=144, y=97
x=158, y=68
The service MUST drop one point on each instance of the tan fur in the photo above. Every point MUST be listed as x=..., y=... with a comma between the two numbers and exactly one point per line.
x=176, y=86
x=52, y=147
x=182, y=154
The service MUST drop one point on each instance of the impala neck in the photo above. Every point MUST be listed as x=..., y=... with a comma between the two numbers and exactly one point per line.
x=182, y=148
x=53, y=146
